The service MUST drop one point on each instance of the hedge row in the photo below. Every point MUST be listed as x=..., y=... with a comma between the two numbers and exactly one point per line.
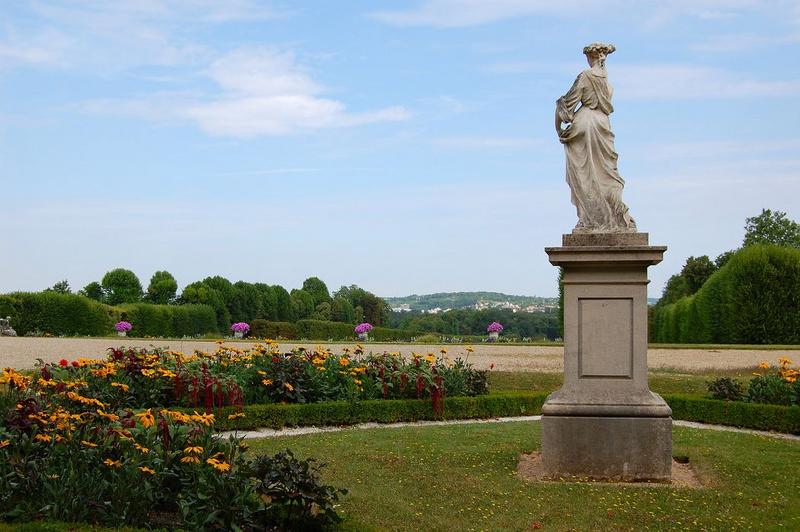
x=57, y=314
x=322, y=330
x=75, y=315
x=380, y=411
x=753, y=299
x=169, y=320
x=739, y=414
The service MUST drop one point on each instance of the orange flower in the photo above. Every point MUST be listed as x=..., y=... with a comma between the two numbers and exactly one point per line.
x=147, y=470
x=219, y=466
x=344, y=362
x=5, y=443
x=764, y=365
x=266, y=382
x=190, y=460
x=88, y=444
x=123, y=387
x=146, y=418
x=112, y=463
x=110, y=417
x=288, y=386
x=140, y=448
x=43, y=437
x=236, y=416
x=195, y=449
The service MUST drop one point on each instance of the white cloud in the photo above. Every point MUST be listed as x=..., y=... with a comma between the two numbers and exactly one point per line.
x=261, y=92
x=470, y=143
x=679, y=81
x=739, y=42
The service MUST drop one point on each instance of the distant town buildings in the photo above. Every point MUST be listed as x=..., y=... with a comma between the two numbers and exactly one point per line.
x=483, y=305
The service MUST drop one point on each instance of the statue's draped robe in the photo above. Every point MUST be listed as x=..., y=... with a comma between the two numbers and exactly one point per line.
x=591, y=159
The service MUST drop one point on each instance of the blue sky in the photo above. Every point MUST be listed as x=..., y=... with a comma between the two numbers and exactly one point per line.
x=407, y=147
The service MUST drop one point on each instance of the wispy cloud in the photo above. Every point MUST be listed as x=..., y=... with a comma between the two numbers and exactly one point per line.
x=680, y=81
x=261, y=91
x=739, y=42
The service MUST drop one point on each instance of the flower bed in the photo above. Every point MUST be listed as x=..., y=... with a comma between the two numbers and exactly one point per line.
x=778, y=387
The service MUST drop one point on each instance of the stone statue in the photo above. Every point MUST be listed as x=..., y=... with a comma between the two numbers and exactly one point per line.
x=5, y=327
x=592, y=174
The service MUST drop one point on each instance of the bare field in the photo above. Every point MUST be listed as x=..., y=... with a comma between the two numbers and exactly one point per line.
x=23, y=352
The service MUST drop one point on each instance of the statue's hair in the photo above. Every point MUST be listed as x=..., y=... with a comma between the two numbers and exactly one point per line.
x=599, y=47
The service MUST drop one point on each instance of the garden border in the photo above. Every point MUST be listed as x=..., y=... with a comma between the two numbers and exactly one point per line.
x=785, y=419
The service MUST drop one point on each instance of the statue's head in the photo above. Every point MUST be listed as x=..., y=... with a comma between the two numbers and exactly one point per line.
x=596, y=53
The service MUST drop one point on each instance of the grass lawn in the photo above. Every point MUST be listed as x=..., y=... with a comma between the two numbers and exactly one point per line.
x=464, y=478
x=661, y=381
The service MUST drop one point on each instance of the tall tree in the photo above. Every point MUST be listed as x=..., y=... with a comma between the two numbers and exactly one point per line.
x=283, y=304
x=696, y=271
x=92, y=290
x=342, y=310
x=163, y=288
x=317, y=289
x=61, y=287
x=201, y=294
x=121, y=286
x=772, y=228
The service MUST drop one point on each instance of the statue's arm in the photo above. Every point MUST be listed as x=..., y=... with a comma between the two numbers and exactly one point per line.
x=565, y=106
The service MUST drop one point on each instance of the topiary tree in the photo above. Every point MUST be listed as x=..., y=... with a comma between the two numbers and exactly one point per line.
x=162, y=289
x=302, y=303
x=121, y=286
x=317, y=289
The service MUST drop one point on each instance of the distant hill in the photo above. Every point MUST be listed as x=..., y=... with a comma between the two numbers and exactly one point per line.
x=459, y=300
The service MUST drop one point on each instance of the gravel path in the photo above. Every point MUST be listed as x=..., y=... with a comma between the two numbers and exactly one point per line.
x=23, y=352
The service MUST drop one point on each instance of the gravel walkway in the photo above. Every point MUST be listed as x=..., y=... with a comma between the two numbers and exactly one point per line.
x=23, y=352
x=299, y=431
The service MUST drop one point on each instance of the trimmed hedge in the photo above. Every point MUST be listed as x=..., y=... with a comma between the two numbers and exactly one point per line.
x=753, y=299
x=380, y=411
x=733, y=413
x=76, y=315
x=54, y=313
x=757, y=416
x=168, y=320
x=322, y=330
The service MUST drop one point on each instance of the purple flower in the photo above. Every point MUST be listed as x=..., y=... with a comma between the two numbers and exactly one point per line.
x=241, y=327
x=362, y=328
x=494, y=327
x=123, y=326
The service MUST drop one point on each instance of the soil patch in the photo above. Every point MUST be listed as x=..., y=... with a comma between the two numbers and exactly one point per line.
x=531, y=469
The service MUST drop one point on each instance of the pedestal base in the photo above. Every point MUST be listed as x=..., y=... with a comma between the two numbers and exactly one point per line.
x=608, y=448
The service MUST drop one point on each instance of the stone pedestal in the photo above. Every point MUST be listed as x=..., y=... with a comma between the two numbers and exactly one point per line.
x=604, y=422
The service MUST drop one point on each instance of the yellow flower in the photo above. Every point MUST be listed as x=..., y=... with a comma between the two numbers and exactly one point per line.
x=262, y=373
x=267, y=382
x=783, y=361
x=147, y=470
x=764, y=365
x=43, y=437
x=344, y=362
x=470, y=349
x=190, y=460
x=141, y=448
x=193, y=449
x=88, y=444
x=430, y=358
x=321, y=368
x=236, y=416
x=123, y=387
x=5, y=443
x=112, y=463
x=288, y=386
x=204, y=419
x=443, y=350
x=358, y=382
x=219, y=466
x=146, y=418
x=110, y=417
x=166, y=373
x=148, y=372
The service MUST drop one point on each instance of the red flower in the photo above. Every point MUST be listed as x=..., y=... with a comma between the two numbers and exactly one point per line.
x=75, y=363
x=63, y=362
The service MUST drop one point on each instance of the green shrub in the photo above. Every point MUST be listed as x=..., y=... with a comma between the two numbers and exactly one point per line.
x=753, y=299
x=726, y=389
x=771, y=389
x=294, y=496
